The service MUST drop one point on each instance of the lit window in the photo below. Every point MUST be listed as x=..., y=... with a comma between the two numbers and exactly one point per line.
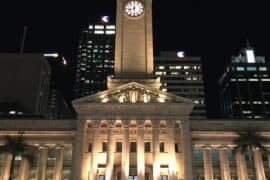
x=240, y=68
x=110, y=32
x=110, y=27
x=99, y=32
x=99, y=27
x=233, y=79
x=251, y=68
x=90, y=27
x=265, y=79
x=161, y=67
x=242, y=80
x=164, y=89
x=253, y=79
x=12, y=112
x=172, y=67
x=262, y=69
x=174, y=73
x=18, y=158
x=186, y=67
x=178, y=67
x=197, y=102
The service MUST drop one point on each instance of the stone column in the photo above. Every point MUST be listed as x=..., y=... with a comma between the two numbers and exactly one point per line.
x=140, y=150
x=23, y=169
x=171, y=149
x=224, y=163
x=259, y=165
x=95, y=151
x=78, y=153
x=207, y=163
x=187, y=149
x=241, y=165
x=6, y=166
x=156, y=162
x=110, y=152
x=125, y=150
x=41, y=163
x=58, y=166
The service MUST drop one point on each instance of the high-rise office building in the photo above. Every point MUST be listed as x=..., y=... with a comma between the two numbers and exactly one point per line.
x=245, y=87
x=183, y=77
x=95, y=57
x=25, y=81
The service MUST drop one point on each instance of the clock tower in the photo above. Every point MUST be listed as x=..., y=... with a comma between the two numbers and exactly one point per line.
x=134, y=40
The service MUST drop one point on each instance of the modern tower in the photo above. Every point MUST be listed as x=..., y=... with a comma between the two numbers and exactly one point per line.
x=183, y=77
x=245, y=87
x=95, y=59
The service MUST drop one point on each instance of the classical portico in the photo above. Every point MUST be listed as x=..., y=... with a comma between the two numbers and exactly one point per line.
x=146, y=122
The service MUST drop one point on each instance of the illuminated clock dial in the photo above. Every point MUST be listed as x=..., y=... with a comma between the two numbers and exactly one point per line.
x=134, y=8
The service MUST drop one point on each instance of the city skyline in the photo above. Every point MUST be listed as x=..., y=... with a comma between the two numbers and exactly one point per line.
x=210, y=30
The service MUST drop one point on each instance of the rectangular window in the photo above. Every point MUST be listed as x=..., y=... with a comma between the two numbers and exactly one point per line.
x=161, y=147
x=118, y=146
x=164, y=177
x=251, y=68
x=104, y=146
x=176, y=147
x=89, y=147
x=147, y=147
x=102, y=177
x=262, y=69
x=240, y=68
x=133, y=147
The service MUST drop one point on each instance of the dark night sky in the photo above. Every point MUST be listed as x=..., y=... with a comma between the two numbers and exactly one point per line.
x=214, y=30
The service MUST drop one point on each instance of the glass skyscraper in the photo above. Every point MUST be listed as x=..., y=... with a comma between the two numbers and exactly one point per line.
x=95, y=60
x=245, y=87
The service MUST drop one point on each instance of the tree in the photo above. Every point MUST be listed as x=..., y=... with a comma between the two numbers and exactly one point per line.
x=16, y=146
x=247, y=141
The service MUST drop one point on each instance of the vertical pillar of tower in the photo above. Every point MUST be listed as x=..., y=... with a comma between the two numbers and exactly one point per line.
x=23, y=169
x=94, y=156
x=6, y=166
x=125, y=150
x=241, y=166
x=187, y=149
x=140, y=150
x=207, y=163
x=110, y=152
x=171, y=149
x=156, y=151
x=41, y=163
x=260, y=174
x=58, y=166
x=224, y=164
x=79, y=151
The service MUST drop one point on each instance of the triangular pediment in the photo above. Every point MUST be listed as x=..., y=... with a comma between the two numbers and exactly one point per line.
x=132, y=93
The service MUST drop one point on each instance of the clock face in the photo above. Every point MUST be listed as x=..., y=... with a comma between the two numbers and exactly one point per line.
x=134, y=8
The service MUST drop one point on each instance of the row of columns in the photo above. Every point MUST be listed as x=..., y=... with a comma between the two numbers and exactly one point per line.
x=241, y=164
x=41, y=165
x=125, y=164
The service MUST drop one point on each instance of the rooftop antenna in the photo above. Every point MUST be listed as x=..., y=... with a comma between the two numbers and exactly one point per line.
x=23, y=39
x=248, y=43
